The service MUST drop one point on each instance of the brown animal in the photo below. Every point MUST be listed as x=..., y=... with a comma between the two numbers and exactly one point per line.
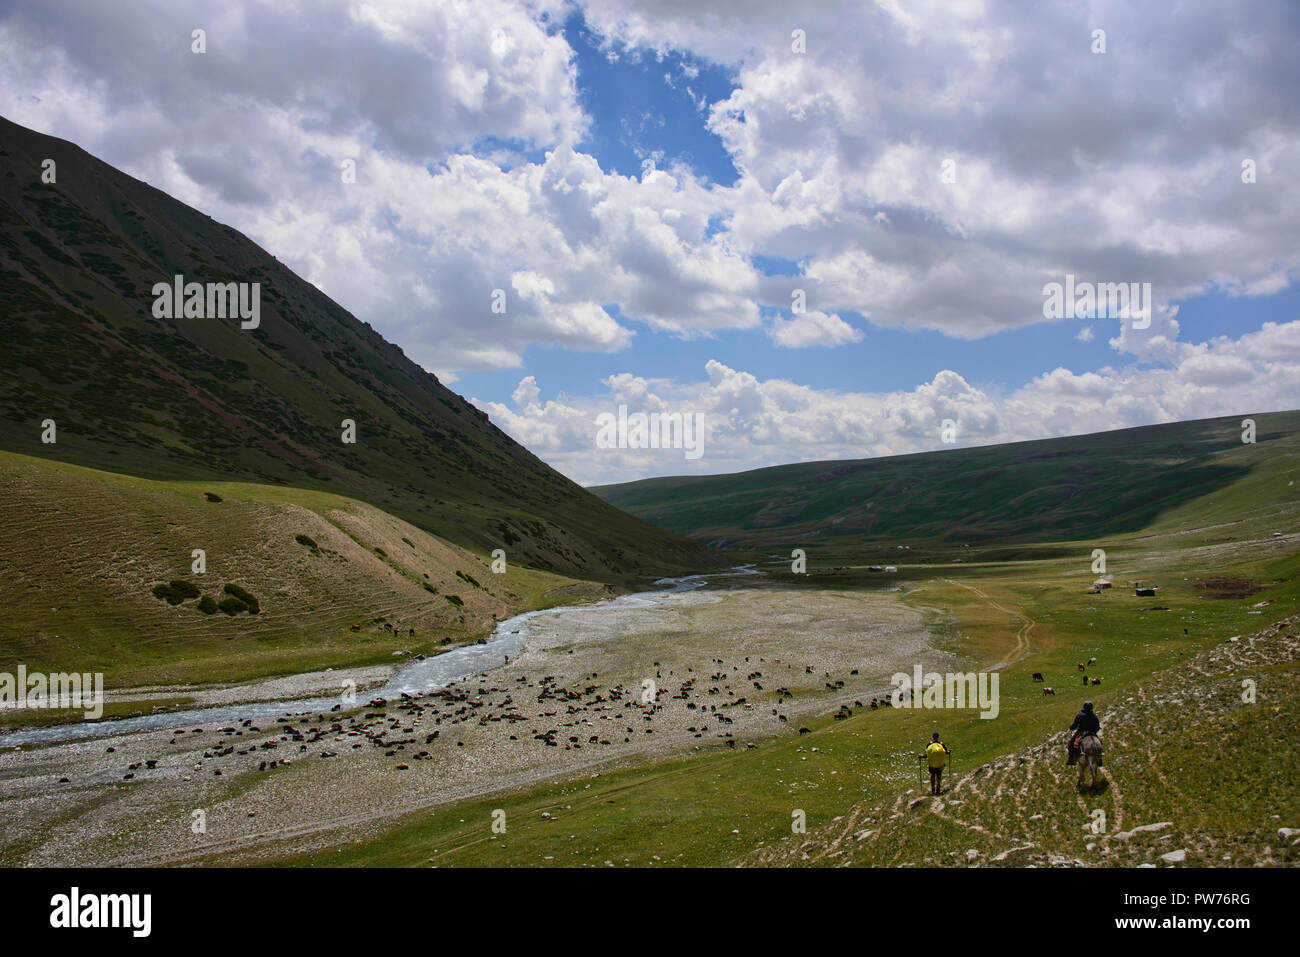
x=1049, y=691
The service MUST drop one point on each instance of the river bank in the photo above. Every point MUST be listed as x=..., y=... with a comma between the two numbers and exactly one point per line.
x=730, y=663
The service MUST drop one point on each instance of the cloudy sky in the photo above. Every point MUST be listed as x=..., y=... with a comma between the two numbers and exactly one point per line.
x=827, y=229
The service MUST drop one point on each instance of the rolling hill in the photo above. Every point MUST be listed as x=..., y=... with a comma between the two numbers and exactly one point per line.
x=97, y=573
x=1051, y=490
x=202, y=399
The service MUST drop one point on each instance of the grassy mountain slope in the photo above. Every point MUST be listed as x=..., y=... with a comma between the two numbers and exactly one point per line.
x=81, y=552
x=203, y=399
x=1049, y=490
x=1191, y=770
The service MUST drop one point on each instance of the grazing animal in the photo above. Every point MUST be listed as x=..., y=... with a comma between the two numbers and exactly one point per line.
x=1096, y=681
x=1082, y=666
x=356, y=627
x=1049, y=691
x=1038, y=676
x=1089, y=757
x=1092, y=661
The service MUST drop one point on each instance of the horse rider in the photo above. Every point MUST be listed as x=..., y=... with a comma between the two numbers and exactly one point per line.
x=1086, y=722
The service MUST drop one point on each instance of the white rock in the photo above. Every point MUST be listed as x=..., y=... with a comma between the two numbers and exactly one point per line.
x=1141, y=828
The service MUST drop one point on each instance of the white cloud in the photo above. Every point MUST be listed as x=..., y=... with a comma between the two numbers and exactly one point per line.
x=813, y=328
x=527, y=392
x=1065, y=161
x=751, y=422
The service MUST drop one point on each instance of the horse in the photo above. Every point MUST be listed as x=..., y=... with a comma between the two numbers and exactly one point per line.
x=1089, y=757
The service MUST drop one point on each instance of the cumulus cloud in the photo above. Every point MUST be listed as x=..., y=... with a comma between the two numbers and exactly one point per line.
x=813, y=328
x=463, y=117
x=527, y=392
x=1122, y=166
x=750, y=422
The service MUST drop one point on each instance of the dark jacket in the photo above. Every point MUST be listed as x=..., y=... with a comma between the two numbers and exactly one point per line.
x=1086, y=722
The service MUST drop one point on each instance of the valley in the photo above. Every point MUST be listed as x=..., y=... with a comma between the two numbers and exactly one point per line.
x=343, y=619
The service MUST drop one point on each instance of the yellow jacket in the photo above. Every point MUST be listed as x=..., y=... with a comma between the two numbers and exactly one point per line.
x=937, y=755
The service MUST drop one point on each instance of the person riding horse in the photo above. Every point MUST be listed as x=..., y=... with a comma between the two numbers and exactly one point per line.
x=1086, y=722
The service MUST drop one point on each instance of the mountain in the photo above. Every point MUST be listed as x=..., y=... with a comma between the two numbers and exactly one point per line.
x=1041, y=491
x=204, y=399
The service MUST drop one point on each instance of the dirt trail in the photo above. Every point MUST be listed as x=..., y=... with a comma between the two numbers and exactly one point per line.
x=1022, y=633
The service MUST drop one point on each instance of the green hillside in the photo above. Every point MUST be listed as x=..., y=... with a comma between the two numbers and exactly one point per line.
x=1051, y=490
x=90, y=564
x=203, y=399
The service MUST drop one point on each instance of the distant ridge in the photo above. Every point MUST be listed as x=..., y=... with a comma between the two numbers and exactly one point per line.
x=1044, y=490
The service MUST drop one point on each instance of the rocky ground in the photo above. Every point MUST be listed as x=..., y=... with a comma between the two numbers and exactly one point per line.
x=1194, y=775
x=593, y=687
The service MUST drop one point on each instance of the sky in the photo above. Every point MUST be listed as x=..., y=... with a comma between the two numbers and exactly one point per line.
x=821, y=231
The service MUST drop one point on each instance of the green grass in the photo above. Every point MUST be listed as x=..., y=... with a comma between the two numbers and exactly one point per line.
x=685, y=810
x=91, y=563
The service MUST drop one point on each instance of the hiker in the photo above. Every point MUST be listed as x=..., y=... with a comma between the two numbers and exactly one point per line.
x=1085, y=722
x=936, y=757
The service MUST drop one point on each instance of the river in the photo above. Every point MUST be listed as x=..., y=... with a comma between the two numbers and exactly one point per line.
x=414, y=678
